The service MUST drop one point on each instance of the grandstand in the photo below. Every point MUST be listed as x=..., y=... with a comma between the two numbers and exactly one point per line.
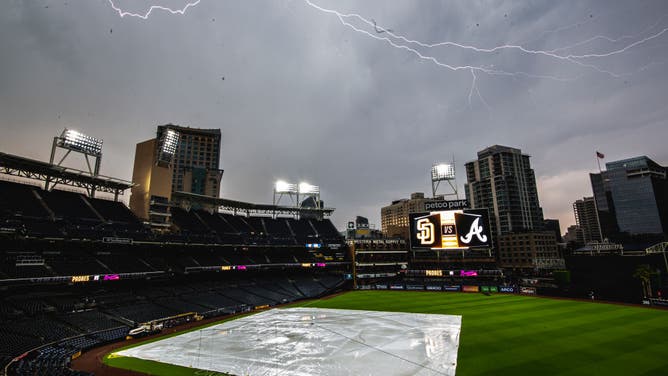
x=79, y=271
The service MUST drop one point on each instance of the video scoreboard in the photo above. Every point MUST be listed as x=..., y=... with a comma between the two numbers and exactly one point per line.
x=450, y=229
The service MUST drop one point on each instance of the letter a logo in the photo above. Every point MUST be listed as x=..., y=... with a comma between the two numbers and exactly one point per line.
x=475, y=230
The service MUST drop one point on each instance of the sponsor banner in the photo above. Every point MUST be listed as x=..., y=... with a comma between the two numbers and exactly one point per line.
x=115, y=240
x=452, y=288
x=508, y=289
x=396, y=287
x=493, y=289
x=381, y=287
x=414, y=287
x=659, y=302
x=446, y=205
x=434, y=288
x=376, y=275
x=528, y=290
x=466, y=288
x=484, y=288
x=364, y=287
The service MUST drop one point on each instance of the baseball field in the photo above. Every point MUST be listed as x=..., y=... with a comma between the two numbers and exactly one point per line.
x=500, y=335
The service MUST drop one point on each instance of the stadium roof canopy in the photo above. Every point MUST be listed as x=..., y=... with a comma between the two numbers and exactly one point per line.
x=247, y=207
x=34, y=169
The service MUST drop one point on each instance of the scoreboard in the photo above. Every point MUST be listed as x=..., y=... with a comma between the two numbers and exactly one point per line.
x=450, y=229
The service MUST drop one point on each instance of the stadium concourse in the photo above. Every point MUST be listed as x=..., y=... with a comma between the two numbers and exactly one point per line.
x=78, y=272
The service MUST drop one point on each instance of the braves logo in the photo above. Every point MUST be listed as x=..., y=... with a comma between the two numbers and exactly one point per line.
x=475, y=230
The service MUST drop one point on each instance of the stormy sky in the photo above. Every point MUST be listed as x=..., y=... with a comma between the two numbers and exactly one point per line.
x=338, y=102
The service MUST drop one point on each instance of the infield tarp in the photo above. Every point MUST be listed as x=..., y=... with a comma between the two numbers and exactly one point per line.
x=312, y=341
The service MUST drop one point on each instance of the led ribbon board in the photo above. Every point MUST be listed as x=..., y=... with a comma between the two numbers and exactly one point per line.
x=450, y=229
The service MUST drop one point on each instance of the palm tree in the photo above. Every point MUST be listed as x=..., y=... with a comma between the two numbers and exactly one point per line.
x=643, y=273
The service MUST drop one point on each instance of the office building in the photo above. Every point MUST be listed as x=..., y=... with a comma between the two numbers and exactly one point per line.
x=536, y=250
x=586, y=219
x=574, y=236
x=631, y=198
x=394, y=217
x=554, y=226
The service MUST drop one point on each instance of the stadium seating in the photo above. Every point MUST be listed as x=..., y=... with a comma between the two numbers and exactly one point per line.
x=114, y=211
x=54, y=264
x=20, y=200
x=69, y=205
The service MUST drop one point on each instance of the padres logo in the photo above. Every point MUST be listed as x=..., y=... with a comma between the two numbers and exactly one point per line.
x=425, y=231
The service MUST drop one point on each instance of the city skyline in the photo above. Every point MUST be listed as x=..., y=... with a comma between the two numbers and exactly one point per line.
x=300, y=96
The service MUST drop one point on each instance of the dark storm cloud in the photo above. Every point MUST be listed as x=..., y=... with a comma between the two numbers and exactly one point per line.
x=306, y=98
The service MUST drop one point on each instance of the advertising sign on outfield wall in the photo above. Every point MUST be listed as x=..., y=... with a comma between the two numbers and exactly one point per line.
x=452, y=288
x=466, y=288
x=528, y=290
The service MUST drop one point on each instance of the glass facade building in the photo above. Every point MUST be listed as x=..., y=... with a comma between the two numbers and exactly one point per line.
x=632, y=197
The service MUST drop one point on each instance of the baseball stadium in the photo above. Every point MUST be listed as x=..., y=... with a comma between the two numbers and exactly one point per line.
x=203, y=285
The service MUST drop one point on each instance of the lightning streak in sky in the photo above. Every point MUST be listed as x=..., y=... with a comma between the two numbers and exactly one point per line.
x=608, y=39
x=146, y=15
x=401, y=42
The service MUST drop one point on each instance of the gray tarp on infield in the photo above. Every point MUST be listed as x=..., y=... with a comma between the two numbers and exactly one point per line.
x=314, y=341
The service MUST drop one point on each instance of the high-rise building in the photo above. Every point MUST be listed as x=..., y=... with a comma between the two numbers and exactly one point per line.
x=632, y=197
x=179, y=159
x=152, y=179
x=196, y=161
x=586, y=219
x=503, y=181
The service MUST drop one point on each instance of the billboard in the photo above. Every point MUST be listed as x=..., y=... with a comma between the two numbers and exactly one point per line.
x=450, y=229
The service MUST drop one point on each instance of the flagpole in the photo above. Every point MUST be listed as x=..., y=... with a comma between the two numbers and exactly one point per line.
x=598, y=162
x=599, y=156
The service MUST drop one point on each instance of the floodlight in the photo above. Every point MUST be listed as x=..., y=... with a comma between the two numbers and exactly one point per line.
x=75, y=140
x=170, y=141
x=284, y=187
x=442, y=171
x=306, y=188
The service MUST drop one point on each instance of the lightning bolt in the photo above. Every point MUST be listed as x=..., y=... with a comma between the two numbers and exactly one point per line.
x=402, y=42
x=146, y=15
x=474, y=87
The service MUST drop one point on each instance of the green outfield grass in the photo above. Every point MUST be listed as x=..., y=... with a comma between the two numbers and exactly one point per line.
x=519, y=335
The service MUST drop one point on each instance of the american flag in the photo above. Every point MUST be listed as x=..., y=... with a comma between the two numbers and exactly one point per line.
x=600, y=155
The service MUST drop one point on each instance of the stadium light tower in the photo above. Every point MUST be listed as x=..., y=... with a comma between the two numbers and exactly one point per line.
x=75, y=141
x=168, y=143
x=444, y=172
x=283, y=188
x=296, y=192
x=307, y=190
